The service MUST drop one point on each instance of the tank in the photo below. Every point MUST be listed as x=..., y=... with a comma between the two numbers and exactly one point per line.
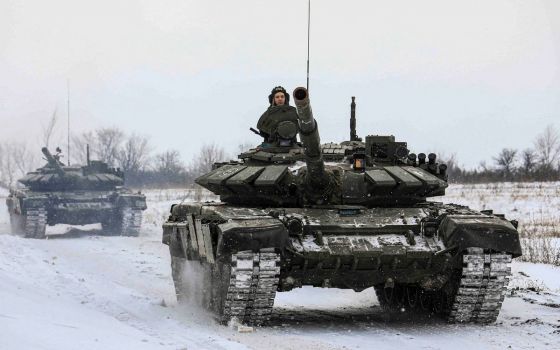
x=75, y=195
x=352, y=215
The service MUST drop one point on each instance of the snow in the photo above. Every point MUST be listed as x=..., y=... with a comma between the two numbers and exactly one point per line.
x=81, y=290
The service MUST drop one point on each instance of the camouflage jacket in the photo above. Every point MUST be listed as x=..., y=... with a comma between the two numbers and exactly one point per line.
x=274, y=115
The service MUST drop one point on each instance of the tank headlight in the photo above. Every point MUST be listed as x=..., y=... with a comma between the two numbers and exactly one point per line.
x=359, y=162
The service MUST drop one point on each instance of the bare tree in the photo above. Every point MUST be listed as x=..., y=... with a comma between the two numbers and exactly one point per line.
x=24, y=159
x=48, y=129
x=79, y=146
x=105, y=145
x=505, y=161
x=529, y=160
x=208, y=155
x=15, y=161
x=108, y=143
x=134, y=154
x=547, y=147
x=169, y=162
x=5, y=173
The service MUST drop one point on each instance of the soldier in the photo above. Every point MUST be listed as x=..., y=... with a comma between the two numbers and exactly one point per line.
x=279, y=123
x=58, y=155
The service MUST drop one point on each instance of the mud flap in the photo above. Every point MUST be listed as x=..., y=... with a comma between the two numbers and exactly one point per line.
x=10, y=204
x=172, y=239
x=197, y=224
x=192, y=240
x=208, y=249
x=181, y=242
x=167, y=233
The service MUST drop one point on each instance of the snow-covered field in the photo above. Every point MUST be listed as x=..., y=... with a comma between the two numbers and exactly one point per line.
x=84, y=291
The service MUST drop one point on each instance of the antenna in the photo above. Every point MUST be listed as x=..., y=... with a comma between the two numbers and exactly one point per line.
x=308, y=31
x=68, y=114
x=353, y=135
x=353, y=119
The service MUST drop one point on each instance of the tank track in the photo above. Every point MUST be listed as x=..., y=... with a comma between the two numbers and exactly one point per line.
x=482, y=287
x=475, y=295
x=36, y=223
x=131, y=222
x=252, y=287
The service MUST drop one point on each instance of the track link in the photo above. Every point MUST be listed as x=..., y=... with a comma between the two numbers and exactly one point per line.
x=35, y=223
x=252, y=286
x=482, y=287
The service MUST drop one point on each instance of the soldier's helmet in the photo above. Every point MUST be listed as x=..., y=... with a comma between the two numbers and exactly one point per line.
x=277, y=89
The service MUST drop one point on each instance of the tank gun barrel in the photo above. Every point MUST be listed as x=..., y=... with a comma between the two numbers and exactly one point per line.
x=52, y=161
x=309, y=134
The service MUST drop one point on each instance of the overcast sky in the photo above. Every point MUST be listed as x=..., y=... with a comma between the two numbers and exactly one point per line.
x=464, y=77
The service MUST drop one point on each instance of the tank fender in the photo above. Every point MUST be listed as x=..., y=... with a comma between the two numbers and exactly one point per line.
x=132, y=200
x=251, y=234
x=482, y=231
x=168, y=229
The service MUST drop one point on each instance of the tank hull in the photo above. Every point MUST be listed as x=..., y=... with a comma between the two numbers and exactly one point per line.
x=119, y=211
x=420, y=249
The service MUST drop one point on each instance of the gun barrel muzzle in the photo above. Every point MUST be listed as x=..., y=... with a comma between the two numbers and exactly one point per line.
x=309, y=134
x=301, y=100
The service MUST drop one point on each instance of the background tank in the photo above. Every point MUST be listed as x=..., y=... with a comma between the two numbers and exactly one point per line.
x=339, y=215
x=76, y=195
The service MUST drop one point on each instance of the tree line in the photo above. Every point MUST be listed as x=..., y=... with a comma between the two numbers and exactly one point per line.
x=131, y=153
x=134, y=155
x=538, y=163
x=143, y=167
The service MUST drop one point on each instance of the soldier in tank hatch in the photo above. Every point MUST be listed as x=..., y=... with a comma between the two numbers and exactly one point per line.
x=279, y=123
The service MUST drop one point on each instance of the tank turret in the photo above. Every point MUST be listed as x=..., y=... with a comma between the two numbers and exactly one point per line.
x=55, y=176
x=53, y=162
x=378, y=171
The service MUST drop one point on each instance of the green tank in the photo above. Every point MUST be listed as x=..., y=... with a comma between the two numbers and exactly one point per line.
x=350, y=215
x=75, y=195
